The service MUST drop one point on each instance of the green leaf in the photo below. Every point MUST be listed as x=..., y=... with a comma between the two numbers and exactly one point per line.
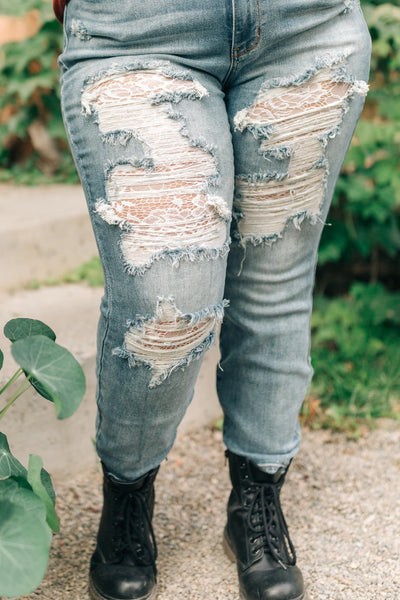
x=1, y=359
x=9, y=465
x=35, y=480
x=22, y=482
x=24, y=540
x=55, y=369
x=21, y=328
x=46, y=481
x=18, y=329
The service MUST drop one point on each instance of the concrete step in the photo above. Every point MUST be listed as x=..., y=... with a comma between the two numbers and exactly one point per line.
x=44, y=232
x=31, y=426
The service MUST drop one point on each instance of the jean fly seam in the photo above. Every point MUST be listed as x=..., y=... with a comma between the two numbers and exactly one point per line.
x=236, y=51
x=233, y=61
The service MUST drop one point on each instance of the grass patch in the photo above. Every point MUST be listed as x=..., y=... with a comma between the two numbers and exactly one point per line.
x=90, y=272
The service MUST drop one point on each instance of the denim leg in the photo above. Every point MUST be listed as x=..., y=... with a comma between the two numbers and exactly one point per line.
x=151, y=93
x=292, y=125
x=148, y=138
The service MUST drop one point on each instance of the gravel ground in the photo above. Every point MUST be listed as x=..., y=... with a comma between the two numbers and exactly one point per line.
x=341, y=501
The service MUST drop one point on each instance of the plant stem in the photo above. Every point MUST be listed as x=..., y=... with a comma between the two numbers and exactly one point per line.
x=21, y=390
x=11, y=381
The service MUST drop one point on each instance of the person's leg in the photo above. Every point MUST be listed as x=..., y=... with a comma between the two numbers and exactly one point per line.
x=294, y=100
x=292, y=125
x=152, y=144
x=150, y=135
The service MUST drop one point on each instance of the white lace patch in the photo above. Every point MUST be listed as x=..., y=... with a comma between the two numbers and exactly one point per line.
x=169, y=340
x=166, y=207
x=300, y=119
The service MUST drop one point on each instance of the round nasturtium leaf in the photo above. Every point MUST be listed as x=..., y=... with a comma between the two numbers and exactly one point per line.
x=57, y=371
x=1, y=359
x=20, y=328
x=24, y=540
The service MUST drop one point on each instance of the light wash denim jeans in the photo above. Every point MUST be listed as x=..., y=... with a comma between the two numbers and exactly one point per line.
x=208, y=137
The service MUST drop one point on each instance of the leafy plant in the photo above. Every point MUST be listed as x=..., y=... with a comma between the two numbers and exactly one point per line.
x=27, y=498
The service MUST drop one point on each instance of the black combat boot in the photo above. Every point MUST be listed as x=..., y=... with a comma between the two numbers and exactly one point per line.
x=123, y=566
x=257, y=537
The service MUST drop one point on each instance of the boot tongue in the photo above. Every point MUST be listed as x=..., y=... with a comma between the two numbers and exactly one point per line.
x=132, y=486
x=259, y=476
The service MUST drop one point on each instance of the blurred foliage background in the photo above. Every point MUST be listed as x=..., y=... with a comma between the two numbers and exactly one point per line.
x=356, y=322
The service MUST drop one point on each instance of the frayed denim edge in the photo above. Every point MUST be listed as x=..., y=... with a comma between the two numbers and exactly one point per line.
x=216, y=311
x=269, y=240
x=175, y=256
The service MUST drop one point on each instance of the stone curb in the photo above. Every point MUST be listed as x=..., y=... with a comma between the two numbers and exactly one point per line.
x=44, y=232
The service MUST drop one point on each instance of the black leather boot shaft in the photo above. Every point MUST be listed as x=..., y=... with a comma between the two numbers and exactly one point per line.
x=257, y=537
x=123, y=566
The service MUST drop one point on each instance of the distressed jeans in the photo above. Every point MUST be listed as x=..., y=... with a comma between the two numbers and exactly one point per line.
x=208, y=137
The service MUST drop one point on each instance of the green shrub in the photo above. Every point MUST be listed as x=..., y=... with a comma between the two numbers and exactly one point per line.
x=356, y=357
x=30, y=96
x=365, y=214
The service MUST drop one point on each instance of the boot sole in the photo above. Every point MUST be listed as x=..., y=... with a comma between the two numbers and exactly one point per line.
x=95, y=595
x=231, y=555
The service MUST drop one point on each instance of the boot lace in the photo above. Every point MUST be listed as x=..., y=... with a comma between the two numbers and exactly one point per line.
x=135, y=531
x=267, y=524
